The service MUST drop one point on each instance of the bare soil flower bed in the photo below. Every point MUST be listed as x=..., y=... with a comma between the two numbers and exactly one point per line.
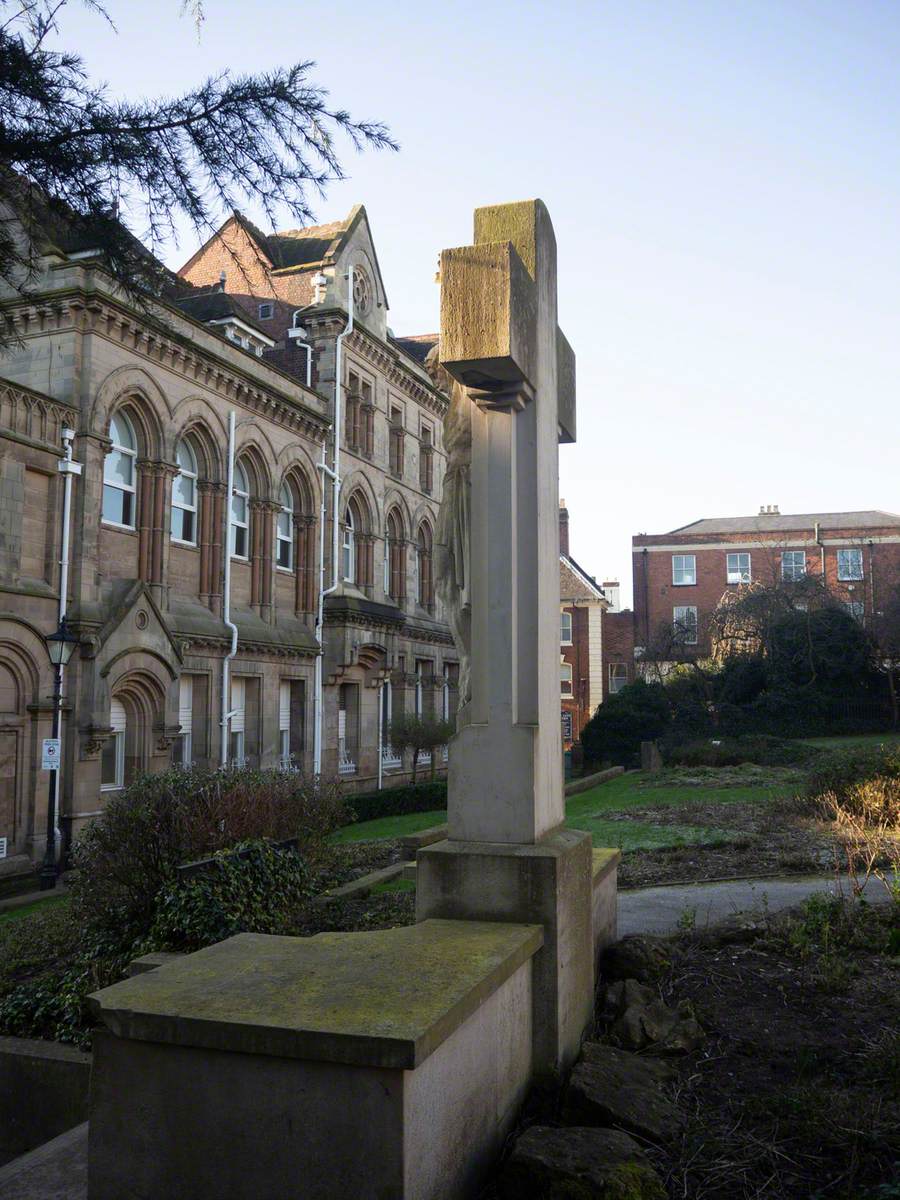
x=796, y=1093
x=767, y=838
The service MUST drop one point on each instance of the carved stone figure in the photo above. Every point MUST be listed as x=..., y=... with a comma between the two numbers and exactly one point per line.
x=452, y=543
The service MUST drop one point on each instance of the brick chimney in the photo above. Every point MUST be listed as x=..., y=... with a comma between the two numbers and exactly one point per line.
x=563, y=528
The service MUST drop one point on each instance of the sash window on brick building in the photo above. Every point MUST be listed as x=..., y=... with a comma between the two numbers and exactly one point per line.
x=684, y=569
x=793, y=565
x=684, y=620
x=850, y=564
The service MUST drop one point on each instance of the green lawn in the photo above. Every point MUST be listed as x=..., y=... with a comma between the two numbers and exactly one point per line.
x=857, y=739
x=593, y=811
x=25, y=910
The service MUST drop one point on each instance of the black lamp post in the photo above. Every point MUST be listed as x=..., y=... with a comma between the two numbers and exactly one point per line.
x=60, y=646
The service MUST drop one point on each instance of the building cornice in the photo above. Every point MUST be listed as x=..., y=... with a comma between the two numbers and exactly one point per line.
x=782, y=543
x=86, y=311
x=34, y=419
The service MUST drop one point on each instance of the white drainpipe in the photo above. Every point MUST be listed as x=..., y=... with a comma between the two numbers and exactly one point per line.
x=334, y=473
x=68, y=469
x=380, y=734
x=226, y=595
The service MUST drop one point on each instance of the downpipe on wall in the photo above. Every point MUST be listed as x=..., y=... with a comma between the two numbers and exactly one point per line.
x=334, y=474
x=226, y=596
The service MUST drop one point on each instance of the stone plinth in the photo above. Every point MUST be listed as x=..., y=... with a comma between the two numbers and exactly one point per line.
x=372, y=1065
x=550, y=883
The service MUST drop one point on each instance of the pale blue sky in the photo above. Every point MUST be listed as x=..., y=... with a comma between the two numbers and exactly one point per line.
x=724, y=183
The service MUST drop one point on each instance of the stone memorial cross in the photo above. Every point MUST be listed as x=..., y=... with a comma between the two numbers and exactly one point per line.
x=500, y=340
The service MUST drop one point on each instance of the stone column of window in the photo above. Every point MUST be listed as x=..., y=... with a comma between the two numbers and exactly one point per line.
x=304, y=560
x=256, y=530
x=205, y=515
x=368, y=430
x=144, y=519
x=164, y=474
x=268, y=511
x=216, y=507
x=364, y=559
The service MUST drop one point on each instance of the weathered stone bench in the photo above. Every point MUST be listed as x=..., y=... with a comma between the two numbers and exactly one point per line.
x=388, y=1063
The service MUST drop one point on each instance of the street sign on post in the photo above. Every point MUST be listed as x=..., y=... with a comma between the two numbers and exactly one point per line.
x=50, y=754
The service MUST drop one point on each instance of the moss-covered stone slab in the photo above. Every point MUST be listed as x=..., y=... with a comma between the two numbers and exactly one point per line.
x=387, y=998
x=578, y=1164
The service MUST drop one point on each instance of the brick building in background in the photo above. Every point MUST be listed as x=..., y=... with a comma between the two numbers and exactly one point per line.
x=680, y=577
x=582, y=607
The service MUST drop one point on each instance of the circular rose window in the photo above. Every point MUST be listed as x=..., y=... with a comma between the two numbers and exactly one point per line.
x=362, y=291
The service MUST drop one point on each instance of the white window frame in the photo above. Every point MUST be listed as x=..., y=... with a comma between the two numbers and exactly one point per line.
x=564, y=618
x=680, y=568
x=186, y=717
x=179, y=506
x=682, y=625
x=445, y=694
x=240, y=493
x=734, y=572
x=617, y=681
x=857, y=610
x=118, y=720
x=793, y=575
x=566, y=676
x=282, y=538
x=237, y=724
x=284, y=724
x=127, y=489
x=843, y=573
x=348, y=548
x=419, y=695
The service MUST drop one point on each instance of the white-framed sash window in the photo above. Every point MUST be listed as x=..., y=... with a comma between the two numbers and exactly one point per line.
x=348, y=548
x=284, y=532
x=182, y=750
x=240, y=513
x=119, y=470
x=850, y=564
x=793, y=565
x=738, y=568
x=238, y=721
x=112, y=758
x=184, y=497
x=684, y=619
x=684, y=569
x=565, y=678
x=565, y=629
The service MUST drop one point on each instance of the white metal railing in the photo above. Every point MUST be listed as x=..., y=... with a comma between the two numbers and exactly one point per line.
x=424, y=758
x=346, y=765
x=390, y=759
x=445, y=753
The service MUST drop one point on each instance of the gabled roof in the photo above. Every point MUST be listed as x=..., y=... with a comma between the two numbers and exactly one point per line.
x=217, y=305
x=575, y=583
x=777, y=522
x=416, y=345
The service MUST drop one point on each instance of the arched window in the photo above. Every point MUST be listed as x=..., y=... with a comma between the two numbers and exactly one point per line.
x=423, y=566
x=240, y=503
x=119, y=474
x=284, y=531
x=348, y=548
x=184, y=496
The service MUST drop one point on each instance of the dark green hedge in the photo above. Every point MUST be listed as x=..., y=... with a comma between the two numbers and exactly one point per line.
x=396, y=801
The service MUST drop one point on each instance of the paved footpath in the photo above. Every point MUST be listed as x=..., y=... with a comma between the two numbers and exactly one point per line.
x=659, y=909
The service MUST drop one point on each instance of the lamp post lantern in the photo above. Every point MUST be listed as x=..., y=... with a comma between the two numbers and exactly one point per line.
x=60, y=646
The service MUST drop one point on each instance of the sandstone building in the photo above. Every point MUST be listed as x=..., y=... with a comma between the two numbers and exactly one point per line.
x=147, y=390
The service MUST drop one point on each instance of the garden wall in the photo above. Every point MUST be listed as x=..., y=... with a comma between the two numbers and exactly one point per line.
x=43, y=1092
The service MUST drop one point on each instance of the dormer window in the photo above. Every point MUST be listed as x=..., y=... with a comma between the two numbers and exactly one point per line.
x=266, y=311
